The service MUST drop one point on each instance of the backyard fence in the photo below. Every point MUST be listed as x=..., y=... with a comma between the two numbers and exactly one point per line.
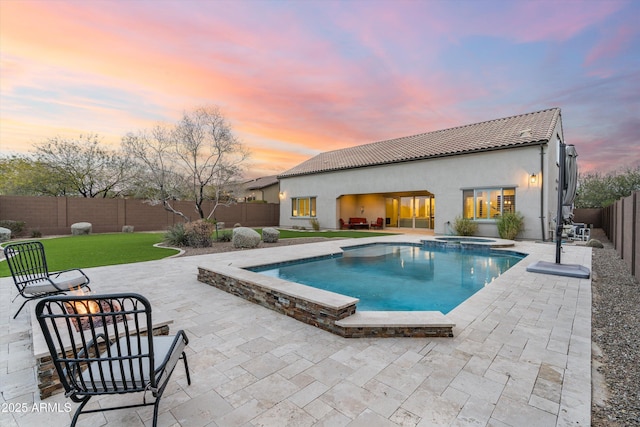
x=592, y=217
x=55, y=215
x=620, y=223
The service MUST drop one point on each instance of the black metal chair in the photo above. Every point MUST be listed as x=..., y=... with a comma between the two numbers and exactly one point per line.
x=116, y=354
x=28, y=266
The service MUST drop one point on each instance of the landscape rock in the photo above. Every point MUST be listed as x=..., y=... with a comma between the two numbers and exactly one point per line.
x=80, y=228
x=595, y=243
x=127, y=228
x=244, y=237
x=270, y=235
x=5, y=234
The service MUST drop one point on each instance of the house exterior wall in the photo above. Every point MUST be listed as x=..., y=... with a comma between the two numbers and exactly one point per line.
x=270, y=194
x=360, y=192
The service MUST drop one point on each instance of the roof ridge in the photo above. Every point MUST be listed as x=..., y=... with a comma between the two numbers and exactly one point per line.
x=490, y=135
x=448, y=129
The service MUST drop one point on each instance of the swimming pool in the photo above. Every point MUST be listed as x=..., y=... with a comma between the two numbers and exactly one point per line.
x=399, y=277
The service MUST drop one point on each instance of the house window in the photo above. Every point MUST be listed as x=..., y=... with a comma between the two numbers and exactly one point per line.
x=303, y=206
x=488, y=203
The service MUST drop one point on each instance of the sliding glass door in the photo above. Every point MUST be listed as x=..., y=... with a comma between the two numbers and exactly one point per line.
x=416, y=212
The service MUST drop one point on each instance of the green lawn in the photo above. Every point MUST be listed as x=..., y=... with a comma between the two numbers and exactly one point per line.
x=100, y=249
x=96, y=250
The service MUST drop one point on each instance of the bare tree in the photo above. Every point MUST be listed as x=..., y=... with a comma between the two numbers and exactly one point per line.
x=211, y=155
x=82, y=167
x=199, y=159
x=157, y=179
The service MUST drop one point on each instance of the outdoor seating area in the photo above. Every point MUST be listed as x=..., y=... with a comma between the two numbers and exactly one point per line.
x=357, y=223
x=31, y=276
x=520, y=353
x=576, y=232
x=102, y=345
x=377, y=224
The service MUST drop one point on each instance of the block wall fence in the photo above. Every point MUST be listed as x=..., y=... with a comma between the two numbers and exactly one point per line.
x=55, y=215
x=620, y=222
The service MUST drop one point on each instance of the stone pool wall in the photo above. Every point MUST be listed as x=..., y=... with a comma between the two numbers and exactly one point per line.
x=321, y=316
x=340, y=320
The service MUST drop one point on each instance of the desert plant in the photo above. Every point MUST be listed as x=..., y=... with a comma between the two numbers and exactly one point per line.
x=199, y=233
x=465, y=227
x=176, y=235
x=225, y=235
x=315, y=224
x=35, y=233
x=510, y=225
x=16, y=227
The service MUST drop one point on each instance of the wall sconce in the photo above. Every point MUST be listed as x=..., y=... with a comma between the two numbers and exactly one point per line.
x=533, y=179
x=361, y=209
x=281, y=195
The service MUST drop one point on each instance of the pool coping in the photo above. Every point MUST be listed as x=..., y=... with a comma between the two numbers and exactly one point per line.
x=327, y=310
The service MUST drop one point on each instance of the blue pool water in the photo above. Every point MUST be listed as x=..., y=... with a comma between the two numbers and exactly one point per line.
x=399, y=277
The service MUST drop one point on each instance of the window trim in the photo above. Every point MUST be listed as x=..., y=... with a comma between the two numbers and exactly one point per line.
x=475, y=190
x=313, y=207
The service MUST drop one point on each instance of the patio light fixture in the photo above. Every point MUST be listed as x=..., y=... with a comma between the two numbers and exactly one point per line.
x=533, y=179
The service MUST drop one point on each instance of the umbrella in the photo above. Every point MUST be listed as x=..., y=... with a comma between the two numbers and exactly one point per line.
x=568, y=181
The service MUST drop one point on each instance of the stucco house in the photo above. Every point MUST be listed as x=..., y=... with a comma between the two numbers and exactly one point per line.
x=477, y=171
x=264, y=188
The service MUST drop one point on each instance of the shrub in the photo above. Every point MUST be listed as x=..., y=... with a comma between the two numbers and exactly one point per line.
x=465, y=227
x=199, y=233
x=16, y=227
x=315, y=224
x=225, y=235
x=510, y=225
x=176, y=235
x=35, y=233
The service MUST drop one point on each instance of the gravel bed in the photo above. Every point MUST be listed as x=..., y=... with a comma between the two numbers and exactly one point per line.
x=616, y=334
x=615, y=331
x=220, y=247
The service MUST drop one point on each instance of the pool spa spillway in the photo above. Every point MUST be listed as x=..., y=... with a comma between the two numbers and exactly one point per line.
x=399, y=289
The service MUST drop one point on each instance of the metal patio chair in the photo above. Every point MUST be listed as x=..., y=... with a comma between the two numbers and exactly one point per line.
x=102, y=345
x=28, y=266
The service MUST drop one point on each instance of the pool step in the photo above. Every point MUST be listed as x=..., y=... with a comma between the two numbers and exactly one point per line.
x=396, y=324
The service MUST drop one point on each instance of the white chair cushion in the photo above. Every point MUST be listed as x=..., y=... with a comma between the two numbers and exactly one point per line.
x=65, y=282
x=115, y=377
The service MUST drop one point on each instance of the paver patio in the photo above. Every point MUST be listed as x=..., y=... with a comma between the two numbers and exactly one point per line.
x=521, y=355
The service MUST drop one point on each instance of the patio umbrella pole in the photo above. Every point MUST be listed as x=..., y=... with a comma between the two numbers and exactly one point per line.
x=561, y=188
x=558, y=269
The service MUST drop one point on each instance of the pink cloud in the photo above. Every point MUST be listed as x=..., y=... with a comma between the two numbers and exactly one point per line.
x=610, y=46
x=275, y=75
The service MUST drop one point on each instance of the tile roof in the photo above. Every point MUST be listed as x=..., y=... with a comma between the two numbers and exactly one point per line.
x=508, y=132
x=262, y=182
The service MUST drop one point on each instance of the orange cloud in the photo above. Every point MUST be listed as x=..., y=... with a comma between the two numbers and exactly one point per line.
x=294, y=79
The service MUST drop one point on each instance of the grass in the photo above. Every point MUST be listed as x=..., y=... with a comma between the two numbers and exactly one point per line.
x=97, y=250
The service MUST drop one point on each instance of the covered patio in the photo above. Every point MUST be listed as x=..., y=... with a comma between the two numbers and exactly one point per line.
x=520, y=355
x=404, y=210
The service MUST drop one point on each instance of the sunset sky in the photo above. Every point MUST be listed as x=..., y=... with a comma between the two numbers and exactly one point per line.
x=296, y=78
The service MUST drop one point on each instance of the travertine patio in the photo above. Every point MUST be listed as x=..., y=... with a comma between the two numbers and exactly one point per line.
x=520, y=356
